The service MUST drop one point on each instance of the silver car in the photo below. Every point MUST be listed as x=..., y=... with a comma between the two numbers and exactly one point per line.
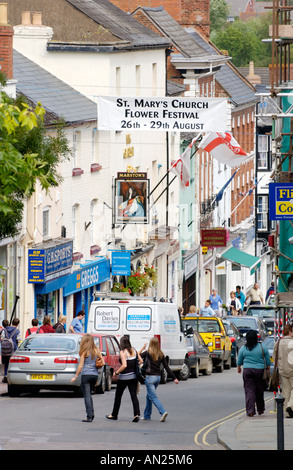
x=48, y=361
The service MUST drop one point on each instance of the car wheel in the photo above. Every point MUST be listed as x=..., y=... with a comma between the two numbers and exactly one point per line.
x=164, y=376
x=195, y=371
x=220, y=367
x=209, y=369
x=235, y=358
x=227, y=364
x=109, y=382
x=102, y=386
x=184, y=373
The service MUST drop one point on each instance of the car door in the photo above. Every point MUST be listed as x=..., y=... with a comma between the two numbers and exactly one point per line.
x=203, y=350
x=116, y=352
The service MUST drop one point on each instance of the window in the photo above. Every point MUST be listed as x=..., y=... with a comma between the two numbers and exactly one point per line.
x=263, y=152
x=74, y=226
x=262, y=213
x=46, y=221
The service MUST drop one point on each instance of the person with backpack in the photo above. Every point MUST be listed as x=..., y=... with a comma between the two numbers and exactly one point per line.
x=10, y=338
x=34, y=328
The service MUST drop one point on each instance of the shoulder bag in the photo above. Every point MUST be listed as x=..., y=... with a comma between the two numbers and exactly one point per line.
x=100, y=362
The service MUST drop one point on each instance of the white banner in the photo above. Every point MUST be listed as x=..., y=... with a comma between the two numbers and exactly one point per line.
x=162, y=114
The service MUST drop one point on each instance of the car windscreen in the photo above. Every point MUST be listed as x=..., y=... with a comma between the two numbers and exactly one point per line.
x=261, y=312
x=208, y=326
x=269, y=342
x=49, y=343
x=245, y=323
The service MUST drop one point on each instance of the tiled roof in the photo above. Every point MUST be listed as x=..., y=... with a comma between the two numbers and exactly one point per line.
x=55, y=96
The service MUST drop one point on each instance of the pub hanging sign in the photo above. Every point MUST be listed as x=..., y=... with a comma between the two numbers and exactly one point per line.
x=131, y=198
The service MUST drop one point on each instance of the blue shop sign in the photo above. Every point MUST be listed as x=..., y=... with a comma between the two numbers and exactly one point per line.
x=121, y=263
x=89, y=275
x=281, y=201
x=49, y=262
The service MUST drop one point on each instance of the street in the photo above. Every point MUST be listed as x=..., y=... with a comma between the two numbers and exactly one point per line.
x=52, y=420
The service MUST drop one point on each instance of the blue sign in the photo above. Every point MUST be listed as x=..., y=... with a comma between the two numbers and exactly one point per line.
x=91, y=274
x=121, y=263
x=281, y=201
x=47, y=263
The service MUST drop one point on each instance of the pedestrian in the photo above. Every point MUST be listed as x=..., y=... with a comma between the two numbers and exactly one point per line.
x=192, y=311
x=88, y=352
x=76, y=324
x=255, y=295
x=59, y=326
x=271, y=290
x=155, y=359
x=207, y=311
x=241, y=297
x=10, y=332
x=127, y=378
x=254, y=357
x=285, y=366
x=34, y=328
x=233, y=304
x=46, y=326
x=216, y=301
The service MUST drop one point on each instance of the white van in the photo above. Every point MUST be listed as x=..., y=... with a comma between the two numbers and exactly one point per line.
x=141, y=320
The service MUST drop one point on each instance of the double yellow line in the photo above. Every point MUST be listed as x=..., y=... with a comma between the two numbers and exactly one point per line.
x=210, y=427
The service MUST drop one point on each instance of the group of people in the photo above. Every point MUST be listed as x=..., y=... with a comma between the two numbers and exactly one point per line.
x=12, y=332
x=235, y=302
x=153, y=358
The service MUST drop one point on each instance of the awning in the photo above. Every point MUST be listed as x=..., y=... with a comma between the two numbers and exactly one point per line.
x=243, y=259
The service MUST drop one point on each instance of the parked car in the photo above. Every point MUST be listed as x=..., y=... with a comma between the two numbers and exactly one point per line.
x=246, y=323
x=48, y=362
x=109, y=346
x=236, y=339
x=199, y=356
x=270, y=343
x=266, y=313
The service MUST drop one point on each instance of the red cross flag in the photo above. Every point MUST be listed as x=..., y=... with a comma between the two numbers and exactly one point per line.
x=182, y=166
x=224, y=148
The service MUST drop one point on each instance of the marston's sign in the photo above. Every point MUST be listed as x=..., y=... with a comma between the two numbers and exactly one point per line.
x=159, y=114
x=213, y=238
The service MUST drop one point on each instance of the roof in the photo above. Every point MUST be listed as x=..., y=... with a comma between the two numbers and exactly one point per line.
x=236, y=86
x=56, y=96
x=119, y=23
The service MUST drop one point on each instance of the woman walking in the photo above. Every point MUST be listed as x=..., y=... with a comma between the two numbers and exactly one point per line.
x=154, y=359
x=254, y=357
x=88, y=352
x=127, y=378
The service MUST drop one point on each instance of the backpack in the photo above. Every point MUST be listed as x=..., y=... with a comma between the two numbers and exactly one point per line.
x=7, y=345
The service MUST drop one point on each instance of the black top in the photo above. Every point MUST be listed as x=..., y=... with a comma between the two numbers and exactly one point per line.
x=154, y=367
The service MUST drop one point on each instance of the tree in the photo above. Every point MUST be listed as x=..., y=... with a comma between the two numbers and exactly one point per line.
x=219, y=11
x=27, y=155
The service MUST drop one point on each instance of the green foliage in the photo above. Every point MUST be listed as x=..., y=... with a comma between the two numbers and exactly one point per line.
x=219, y=11
x=243, y=41
x=27, y=155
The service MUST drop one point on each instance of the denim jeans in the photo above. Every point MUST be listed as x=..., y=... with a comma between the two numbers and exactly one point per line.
x=87, y=384
x=152, y=382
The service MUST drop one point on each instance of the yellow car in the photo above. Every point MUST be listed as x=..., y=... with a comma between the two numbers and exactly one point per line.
x=213, y=332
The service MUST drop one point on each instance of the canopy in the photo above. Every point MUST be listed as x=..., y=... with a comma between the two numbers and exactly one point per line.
x=243, y=259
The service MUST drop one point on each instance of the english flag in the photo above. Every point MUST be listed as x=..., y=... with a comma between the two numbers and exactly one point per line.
x=224, y=148
x=182, y=166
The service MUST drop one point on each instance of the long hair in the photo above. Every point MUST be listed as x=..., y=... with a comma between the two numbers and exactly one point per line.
x=125, y=344
x=87, y=346
x=154, y=349
x=251, y=339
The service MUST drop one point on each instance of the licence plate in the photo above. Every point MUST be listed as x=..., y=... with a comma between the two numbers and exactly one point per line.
x=42, y=377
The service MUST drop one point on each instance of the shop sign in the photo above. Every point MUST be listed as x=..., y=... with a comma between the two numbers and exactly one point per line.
x=213, y=238
x=281, y=201
x=90, y=275
x=47, y=263
x=121, y=263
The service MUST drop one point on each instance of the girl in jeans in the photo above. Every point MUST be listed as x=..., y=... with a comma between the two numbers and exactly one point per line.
x=88, y=352
x=154, y=359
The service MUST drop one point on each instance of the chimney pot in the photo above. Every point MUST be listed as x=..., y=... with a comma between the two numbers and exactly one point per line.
x=37, y=18
x=3, y=13
x=26, y=18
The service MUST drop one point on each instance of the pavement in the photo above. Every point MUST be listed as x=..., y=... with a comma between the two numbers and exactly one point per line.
x=243, y=432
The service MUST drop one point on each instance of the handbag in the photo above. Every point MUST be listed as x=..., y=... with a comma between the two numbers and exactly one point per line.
x=275, y=378
x=266, y=372
x=99, y=362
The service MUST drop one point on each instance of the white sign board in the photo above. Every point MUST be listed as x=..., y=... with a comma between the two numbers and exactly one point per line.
x=162, y=114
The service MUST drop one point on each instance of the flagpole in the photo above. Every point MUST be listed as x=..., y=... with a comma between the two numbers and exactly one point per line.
x=246, y=196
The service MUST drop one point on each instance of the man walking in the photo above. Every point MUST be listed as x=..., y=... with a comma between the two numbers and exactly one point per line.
x=255, y=295
x=285, y=366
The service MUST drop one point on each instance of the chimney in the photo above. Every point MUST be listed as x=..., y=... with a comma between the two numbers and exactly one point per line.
x=251, y=77
x=6, y=43
x=31, y=36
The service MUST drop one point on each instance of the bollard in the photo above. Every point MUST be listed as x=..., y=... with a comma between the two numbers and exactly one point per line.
x=280, y=422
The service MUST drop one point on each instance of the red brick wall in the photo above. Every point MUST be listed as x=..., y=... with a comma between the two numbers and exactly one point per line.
x=6, y=50
x=188, y=13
